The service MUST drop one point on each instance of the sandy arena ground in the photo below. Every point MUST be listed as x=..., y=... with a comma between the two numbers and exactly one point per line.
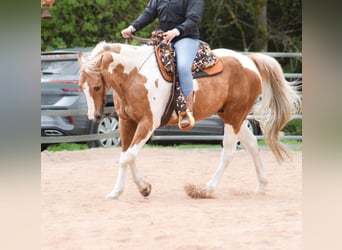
x=76, y=215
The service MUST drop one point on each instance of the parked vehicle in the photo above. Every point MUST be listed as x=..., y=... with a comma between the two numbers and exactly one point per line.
x=60, y=91
x=208, y=130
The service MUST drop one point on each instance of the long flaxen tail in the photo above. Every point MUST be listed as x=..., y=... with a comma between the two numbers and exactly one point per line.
x=279, y=100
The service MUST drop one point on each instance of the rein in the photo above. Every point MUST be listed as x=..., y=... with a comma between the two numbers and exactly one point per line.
x=170, y=106
x=149, y=41
x=105, y=86
x=140, y=39
x=171, y=103
x=145, y=40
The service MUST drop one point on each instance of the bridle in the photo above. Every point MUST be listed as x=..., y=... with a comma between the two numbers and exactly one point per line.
x=105, y=85
x=155, y=41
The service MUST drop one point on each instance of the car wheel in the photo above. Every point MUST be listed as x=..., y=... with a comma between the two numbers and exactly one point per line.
x=106, y=125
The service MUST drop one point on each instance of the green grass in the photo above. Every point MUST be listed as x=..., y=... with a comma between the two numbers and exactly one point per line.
x=67, y=146
x=292, y=144
x=183, y=146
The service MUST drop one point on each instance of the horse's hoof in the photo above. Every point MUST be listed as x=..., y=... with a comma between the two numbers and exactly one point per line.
x=196, y=192
x=113, y=195
x=147, y=190
x=260, y=190
x=261, y=187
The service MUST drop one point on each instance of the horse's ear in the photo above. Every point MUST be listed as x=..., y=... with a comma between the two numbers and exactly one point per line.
x=107, y=58
x=99, y=62
x=80, y=57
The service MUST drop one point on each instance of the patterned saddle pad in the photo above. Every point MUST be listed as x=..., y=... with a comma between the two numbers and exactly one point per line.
x=205, y=63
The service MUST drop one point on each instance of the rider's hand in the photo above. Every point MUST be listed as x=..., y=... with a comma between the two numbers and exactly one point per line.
x=169, y=35
x=126, y=33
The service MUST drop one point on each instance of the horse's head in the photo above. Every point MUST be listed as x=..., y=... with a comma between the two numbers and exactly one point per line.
x=92, y=84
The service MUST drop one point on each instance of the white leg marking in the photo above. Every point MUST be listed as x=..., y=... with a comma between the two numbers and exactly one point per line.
x=130, y=158
x=137, y=177
x=127, y=159
x=121, y=178
x=229, y=147
x=250, y=142
x=90, y=101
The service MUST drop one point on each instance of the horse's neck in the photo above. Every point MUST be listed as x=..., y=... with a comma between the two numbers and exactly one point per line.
x=132, y=66
x=133, y=56
x=125, y=54
x=125, y=66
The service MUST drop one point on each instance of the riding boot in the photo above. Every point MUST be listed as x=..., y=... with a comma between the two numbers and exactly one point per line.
x=186, y=119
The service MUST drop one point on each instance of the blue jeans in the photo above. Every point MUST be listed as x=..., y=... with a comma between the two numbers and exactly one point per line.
x=186, y=50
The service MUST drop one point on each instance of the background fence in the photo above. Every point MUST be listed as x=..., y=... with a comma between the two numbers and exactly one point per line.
x=93, y=137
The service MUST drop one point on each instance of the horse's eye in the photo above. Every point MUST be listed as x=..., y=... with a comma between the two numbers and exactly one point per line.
x=97, y=88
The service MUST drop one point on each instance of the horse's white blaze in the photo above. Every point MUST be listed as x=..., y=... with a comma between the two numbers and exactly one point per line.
x=245, y=61
x=90, y=101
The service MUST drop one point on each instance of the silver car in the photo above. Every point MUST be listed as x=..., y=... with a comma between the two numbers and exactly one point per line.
x=60, y=91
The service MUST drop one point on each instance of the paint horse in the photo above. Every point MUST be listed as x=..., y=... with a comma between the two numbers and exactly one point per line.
x=141, y=94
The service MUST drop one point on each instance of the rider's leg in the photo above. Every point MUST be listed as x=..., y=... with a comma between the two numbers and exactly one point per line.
x=186, y=50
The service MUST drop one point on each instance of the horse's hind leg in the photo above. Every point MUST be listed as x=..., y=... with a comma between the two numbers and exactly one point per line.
x=229, y=147
x=250, y=142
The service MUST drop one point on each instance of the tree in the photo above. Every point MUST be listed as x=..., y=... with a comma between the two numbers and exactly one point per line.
x=261, y=31
x=85, y=23
x=257, y=25
x=253, y=25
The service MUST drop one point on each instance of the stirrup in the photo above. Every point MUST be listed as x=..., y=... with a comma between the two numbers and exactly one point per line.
x=186, y=120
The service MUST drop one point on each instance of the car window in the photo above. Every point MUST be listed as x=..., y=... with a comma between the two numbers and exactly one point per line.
x=59, y=67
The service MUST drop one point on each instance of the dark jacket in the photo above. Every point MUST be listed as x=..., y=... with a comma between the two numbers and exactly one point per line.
x=184, y=15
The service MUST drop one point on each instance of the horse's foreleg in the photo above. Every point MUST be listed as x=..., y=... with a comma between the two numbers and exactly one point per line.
x=127, y=159
x=140, y=138
x=143, y=186
x=229, y=147
x=127, y=131
x=251, y=143
x=120, y=180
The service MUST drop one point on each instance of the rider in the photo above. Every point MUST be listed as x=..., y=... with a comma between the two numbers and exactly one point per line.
x=179, y=20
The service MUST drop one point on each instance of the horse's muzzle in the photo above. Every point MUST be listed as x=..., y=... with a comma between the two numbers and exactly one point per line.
x=98, y=115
